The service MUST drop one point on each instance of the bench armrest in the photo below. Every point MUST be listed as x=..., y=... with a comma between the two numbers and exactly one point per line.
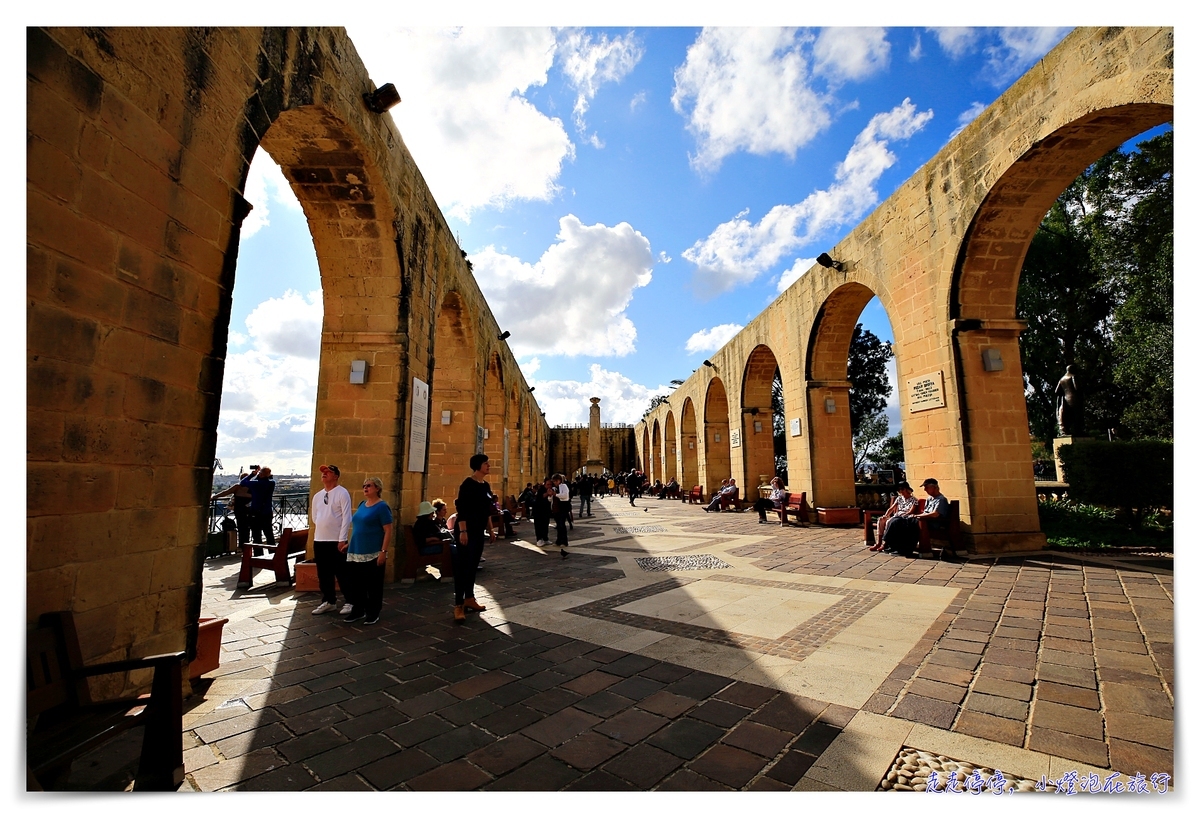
x=158, y=660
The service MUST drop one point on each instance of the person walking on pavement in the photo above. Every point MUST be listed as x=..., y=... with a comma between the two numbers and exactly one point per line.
x=585, y=495
x=633, y=483
x=330, y=510
x=473, y=509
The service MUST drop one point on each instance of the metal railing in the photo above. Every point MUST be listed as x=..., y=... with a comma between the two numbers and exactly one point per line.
x=288, y=510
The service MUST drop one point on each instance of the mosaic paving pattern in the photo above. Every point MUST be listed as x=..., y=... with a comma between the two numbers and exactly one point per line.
x=797, y=644
x=640, y=529
x=691, y=562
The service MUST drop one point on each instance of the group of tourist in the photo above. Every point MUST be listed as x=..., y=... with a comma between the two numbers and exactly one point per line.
x=899, y=529
x=252, y=497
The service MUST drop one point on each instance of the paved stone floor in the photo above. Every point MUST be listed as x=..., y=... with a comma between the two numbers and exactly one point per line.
x=680, y=650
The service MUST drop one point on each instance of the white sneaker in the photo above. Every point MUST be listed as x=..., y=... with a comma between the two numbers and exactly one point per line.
x=347, y=608
x=322, y=608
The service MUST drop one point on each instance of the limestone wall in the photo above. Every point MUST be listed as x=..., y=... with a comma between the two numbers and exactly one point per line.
x=139, y=144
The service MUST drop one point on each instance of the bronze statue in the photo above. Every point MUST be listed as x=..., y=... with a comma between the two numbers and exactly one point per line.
x=1069, y=404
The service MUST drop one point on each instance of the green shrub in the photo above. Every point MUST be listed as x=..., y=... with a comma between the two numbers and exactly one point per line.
x=1134, y=476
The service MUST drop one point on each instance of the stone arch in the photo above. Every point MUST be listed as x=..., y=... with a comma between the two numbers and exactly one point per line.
x=655, y=472
x=716, y=436
x=758, y=441
x=983, y=294
x=670, y=449
x=826, y=364
x=690, y=474
x=453, y=389
x=644, y=454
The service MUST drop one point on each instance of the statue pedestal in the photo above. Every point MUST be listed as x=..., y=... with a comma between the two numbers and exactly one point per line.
x=1059, y=442
x=593, y=467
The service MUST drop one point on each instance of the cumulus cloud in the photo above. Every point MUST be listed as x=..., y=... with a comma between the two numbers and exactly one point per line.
x=590, y=62
x=477, y=139
x=270, y=389
x=1009, y=51
x=738, y=251
x=967, y=117
x=748, y=89
x=710, y=340
x=572, y=300
x=289, y=326
x=265, y=185
x=791, y=274
x=622, y=400
x=842, y=54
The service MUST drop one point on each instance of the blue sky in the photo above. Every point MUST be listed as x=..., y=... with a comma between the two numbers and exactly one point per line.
x=629, y=197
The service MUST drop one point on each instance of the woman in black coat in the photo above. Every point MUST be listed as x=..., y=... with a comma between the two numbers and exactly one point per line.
x=541, y=512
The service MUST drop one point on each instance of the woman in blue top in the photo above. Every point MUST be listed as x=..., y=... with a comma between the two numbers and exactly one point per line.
x=366, y=553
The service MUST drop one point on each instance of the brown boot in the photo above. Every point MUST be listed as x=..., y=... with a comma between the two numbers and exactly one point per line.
x=472, y=605
x=460, y=616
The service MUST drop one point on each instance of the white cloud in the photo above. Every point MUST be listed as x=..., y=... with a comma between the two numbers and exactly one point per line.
x=622, y=400
x=956, y=41
x=265, y=185
x=638, y=100
x=663, y=257
x=738, y=251
x=530, y=367
x=270, y=390
x=748, y=89
x=914, y=52
x=589, y=63
x=1009, y=51
x=710, y=340
x=478, y=141
x=289, y=326
x=572, y=300
x=850, y=53
x=967, y=117
x=790, y=275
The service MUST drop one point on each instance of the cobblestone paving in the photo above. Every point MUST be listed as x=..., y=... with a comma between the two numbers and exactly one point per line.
x=1043, y=653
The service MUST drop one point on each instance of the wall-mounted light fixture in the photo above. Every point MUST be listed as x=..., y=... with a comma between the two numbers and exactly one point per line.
x=992, y=361
x=445, y=417
x=358, y=372
x=753, y=410
x=716, y=437
x=383, y=98
x=757, y=426
x=830, y=406
x=532, y=388
x=825, y=261
x=710, y=363
x=503, y=336
x=691, y=444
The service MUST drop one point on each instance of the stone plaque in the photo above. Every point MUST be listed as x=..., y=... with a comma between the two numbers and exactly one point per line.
x=926, y=392
x=418, y=431
x=795, y=427
x=735, y=438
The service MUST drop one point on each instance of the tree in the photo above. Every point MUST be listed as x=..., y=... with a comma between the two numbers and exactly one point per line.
x=778, y=427
x=1096, y=291
x=867, y=373
x=869, y=439
x=891, y=451
x=655, y=402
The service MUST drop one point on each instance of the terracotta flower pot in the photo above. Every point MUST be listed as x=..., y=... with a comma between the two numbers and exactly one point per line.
x=208, y=646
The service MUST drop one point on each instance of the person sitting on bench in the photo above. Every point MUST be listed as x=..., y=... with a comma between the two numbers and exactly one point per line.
x=905, y=505
x=721, y=498
x=773, y=503
x=903, y=535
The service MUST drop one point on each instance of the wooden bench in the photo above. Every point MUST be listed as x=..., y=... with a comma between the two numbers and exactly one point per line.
x=63, y=723
x=291, y=544
x=414, y=560
x=948, y=537
x=795, y=505
x=670, y=493
x=696, y=495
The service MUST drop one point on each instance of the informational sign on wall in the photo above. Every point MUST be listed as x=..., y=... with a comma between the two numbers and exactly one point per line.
x=795, y=426
x=735, y=438
x=418, y=430
x=926, y=392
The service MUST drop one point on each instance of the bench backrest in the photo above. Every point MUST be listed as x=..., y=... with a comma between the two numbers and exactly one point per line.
x=52, y=657
x=291, y=541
